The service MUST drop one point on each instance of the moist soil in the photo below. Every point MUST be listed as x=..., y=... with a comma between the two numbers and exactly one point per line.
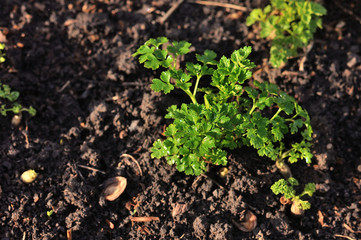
x=97, y=118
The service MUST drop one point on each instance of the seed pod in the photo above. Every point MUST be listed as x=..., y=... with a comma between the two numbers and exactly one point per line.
x=285, y=201
x=28, y=176
x=16, y=120
x=223, y=172
x=296, y=209
x=114, y=187
x=246, y=223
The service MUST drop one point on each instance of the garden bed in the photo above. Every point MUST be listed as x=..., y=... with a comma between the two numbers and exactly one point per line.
x=97, y=118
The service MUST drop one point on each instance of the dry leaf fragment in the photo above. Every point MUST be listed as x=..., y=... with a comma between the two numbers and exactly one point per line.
x=285, y=201
x=110, y=224
x=320, y=218
x=114, y=187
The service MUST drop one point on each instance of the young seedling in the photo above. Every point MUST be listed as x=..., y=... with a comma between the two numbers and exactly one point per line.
x=285, y=187
x=2, y=55
x=6, y=94
x=289, y=24
x=226, y=115
x=49, y=213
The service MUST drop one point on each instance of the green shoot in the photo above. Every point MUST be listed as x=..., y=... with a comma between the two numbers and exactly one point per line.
x=289, y=24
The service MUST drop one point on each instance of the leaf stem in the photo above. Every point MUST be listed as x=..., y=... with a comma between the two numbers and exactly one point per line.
x=189, y=93
x=276, y=114
x=196, y=86
x=253, y=107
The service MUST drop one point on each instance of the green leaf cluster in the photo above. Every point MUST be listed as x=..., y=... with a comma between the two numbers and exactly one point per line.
x=290, y=24
x=6, y=94
x=232, y=114
x=285, y=187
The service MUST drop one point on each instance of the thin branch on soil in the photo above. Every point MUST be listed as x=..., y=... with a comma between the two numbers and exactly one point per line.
x=348, y=11
x=349, y=228
x=170, y=11
x=64, y=86
x=133, y=159
x=292, y=73
x=143, y=219
x=303, y=59
x=69, y=234
x=90, y=168
x=144, y=230
x=218, y=4
x=343, y=236
x=25, y=133
x=131, y=84
x=195, y=181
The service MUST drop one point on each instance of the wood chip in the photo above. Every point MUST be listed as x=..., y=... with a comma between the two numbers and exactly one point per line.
x=144, y=219
x=69, y=234
x=69, y=22
x=110, y=224
x=321, y=218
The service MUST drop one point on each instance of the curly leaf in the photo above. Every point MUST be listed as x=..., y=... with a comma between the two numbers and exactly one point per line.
x=162, y=84
x=208, y=57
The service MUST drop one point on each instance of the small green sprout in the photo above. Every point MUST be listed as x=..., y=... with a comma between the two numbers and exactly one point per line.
x=290, y=24
x=285, y=187
x=2, y=55
x=6, y=94
x=49, y=213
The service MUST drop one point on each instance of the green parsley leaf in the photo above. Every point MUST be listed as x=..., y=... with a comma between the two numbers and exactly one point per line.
x=162, y=84
x=179, y=48
x=207, y=58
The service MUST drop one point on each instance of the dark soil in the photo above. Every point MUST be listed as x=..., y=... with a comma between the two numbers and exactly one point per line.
x=71, y=60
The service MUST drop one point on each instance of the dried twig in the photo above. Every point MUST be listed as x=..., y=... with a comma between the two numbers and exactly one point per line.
x=170, y=11
x=218, y=4
x=64, y=86
x=25, y=133
x=196, y=180
x=343, y=236
x=133, y=159
x=143, y=219
x=303, y=59
x=90, y=168
x=69, y=234
x=349, y=228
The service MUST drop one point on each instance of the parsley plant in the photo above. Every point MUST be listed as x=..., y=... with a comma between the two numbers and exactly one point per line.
x=285, y=187
x=290, y=24
x=6, y=94
x=227, y=114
